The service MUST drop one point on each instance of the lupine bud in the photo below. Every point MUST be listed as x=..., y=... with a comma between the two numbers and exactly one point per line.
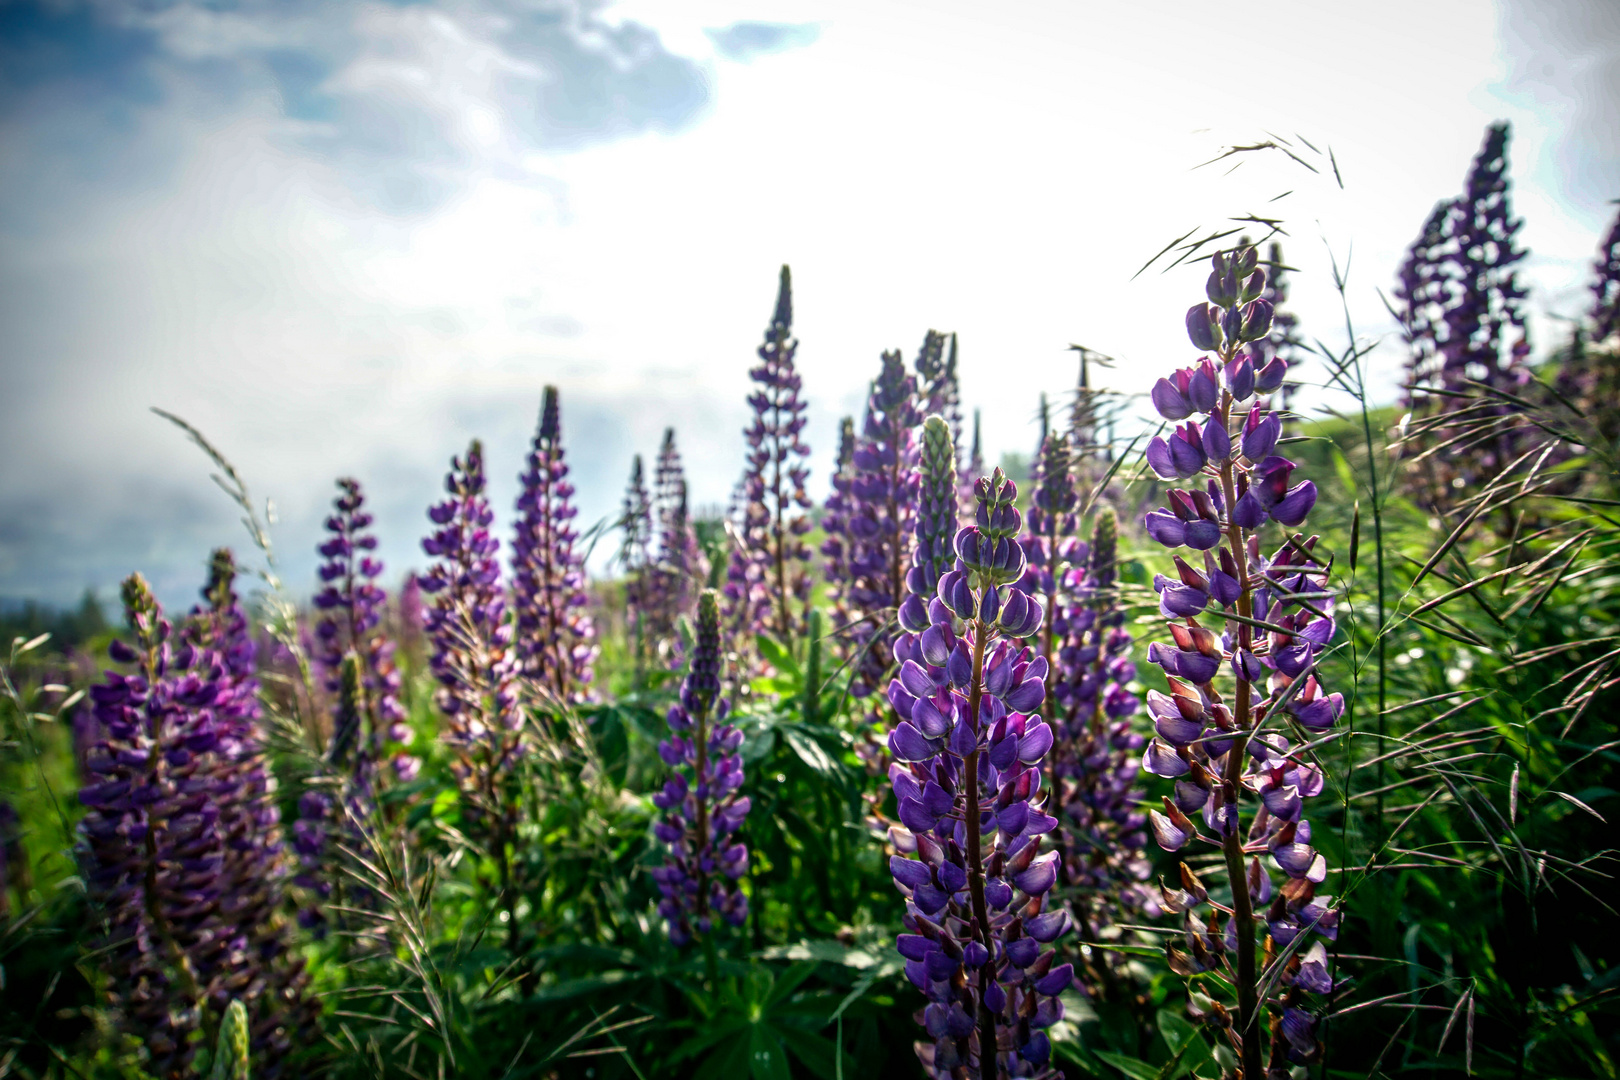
x=1256, y=320
x=1270, y=377
x=231, y=1049
x=1203, y=328
x=1239, y=376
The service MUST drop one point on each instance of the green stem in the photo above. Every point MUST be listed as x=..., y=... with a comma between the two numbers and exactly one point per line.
x=1232, y=843
x=975, y=859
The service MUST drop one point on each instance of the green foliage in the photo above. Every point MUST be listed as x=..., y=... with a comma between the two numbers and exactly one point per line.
x=1468, y=822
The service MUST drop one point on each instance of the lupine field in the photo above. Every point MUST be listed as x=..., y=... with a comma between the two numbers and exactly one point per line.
x=1218, y=737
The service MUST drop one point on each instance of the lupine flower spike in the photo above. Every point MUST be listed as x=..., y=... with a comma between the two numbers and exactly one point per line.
x=967, y=782
x=255, y=868
x=876, y=525
x=1462, y=316
x=841, y=502
x=1095, y=759
x=767, y=584
x=351, y=609
x=635, y=557
x=679, y=567
x=700, y=801
x=1228, y=752
x=938, y=388
x=474, y=660
x=556, y=640
x=1605, y=313
x=171, y=789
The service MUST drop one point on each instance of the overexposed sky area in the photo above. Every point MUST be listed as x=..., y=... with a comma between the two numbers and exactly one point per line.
x=343, y=238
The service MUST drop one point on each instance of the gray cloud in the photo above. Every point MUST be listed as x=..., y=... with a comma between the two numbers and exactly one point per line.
x=404, y=100
x=190, y=197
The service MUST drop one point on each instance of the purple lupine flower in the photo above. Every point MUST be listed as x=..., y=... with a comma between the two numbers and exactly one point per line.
x=939, y=387
x=836, y=511
x=165, y=856
x=1219, y=745
x=1049, y=542
x=474, y=659
x=1462, y=317
x=877, y=525
x=556, y=640
x=1095, y=793
x=351, y=606
x=701, y=801
x=255, y=863
x=1605, y=313
x=680, y=567
x=967, y=782
x=153, y=854
x=767, y=583
x=1589, y=376
x=635, y=557
x=974, y=470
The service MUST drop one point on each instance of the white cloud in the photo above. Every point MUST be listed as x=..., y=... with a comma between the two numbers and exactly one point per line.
x=917, y=165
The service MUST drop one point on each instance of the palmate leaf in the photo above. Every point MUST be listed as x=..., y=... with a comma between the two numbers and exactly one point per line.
x=811, y=752
x=767, y=1060
x=1134, y=1068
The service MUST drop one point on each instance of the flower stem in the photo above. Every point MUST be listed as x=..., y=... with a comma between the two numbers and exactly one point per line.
x=975, y=861
x=1232, y=842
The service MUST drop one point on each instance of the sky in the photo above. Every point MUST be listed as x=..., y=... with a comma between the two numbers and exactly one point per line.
x=345, y=237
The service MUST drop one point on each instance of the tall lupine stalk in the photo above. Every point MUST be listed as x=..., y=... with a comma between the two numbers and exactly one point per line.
x=938, y=385
x=967, y=781
x=1422, y=292
x=1460, y=306
x=768, y=583
x=877, y=526
x=1049, y=543
x=1220, y=748
x=270, y=977
x=556, y=639
x=700, y=800
x=1605, y=313
x=351, y=604
x=636, y=559
x=679, y=568
x=1095, y=759
x=836, y=512
x=476, y=663
x=1590, y=375
x=975, y=463
x=177, y=784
